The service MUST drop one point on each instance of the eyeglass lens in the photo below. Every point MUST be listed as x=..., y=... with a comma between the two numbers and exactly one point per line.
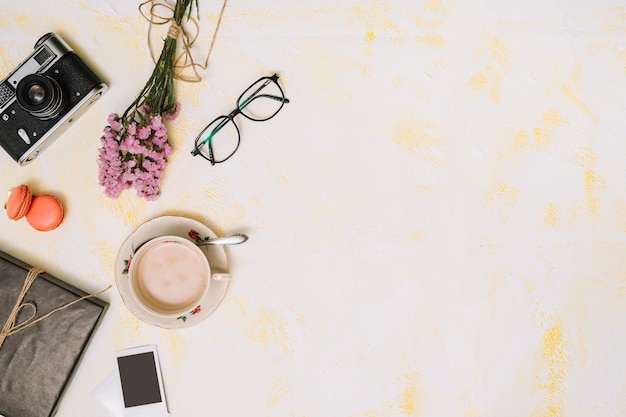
x=221, y=139
x=262, y=100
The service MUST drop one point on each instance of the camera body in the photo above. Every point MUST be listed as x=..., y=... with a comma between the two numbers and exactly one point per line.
x=41, y=98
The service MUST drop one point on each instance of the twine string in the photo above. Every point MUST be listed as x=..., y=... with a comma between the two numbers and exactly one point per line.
x=173, y=31
x=11, y=326
x=161, y=13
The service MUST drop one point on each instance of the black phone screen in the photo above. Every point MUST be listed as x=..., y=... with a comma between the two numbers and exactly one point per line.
x=140, y=383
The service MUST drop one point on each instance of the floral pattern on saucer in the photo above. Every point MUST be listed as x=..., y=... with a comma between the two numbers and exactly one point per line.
x=177, y=226
x=127, y=265
x=191, y=313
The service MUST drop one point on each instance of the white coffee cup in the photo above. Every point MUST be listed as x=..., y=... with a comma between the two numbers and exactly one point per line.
x=170, y=275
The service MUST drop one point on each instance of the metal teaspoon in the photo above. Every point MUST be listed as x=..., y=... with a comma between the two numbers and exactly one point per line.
x=235, y=239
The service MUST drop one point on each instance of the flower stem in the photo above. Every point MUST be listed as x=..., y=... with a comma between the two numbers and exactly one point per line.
x=158, y=93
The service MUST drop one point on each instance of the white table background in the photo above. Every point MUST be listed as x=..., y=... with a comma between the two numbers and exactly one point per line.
x=437, y=220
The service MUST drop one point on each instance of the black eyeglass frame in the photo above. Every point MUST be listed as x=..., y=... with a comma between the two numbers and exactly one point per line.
x=241, y=105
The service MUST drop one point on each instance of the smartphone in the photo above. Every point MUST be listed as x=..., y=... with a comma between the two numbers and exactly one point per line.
x=141, y=382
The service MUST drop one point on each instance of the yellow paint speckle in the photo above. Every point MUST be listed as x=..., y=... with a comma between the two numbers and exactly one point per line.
x=617, y=23
x=586, y=158
x=591, y=185
x=620, y=57
x=279, y=392
x=498, y=65
x=263, y=327
x=128, y=327
x=430, y=28
x=502, y=198
x=128, y=207
x=175, y=344
x=431, y=40
x=369, y=38
x=107, y=255
x=22, y=19
x=271, y=326
x=519, y=145
x=571, y=88
x=240, y=303
x=551, y=214
x=541, y=137
x=432, y=4
x=553, y=118
x=472, y=408
x=424, y=187
x=378, y=17
x=409, y=398
x=6, y=64
x=504, y=194
x=478, y=81
x=418, y=138
x=555, y=367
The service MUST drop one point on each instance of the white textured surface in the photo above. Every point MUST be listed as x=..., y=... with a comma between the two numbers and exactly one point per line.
x=436, y=220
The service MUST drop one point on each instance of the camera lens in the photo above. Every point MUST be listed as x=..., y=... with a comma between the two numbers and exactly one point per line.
x=36, y=94
x=40, y=95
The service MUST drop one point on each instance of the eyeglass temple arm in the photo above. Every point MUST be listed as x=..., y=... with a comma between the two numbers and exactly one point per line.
x=283, y=99
x=252, y=98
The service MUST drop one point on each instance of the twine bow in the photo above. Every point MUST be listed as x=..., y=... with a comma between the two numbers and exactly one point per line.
x=158, y=13
x=10, y=327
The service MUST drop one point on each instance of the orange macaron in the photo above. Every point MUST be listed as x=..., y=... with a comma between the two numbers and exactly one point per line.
x=18, y=202
x=43, y=212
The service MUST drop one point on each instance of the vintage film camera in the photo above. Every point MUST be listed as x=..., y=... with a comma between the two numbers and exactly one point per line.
x=41, y=98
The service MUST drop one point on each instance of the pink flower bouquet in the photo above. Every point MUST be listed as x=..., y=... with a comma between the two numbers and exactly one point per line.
x=135, y=145
x=134, y=154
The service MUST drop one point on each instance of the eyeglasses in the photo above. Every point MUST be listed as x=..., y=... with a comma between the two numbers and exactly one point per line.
x=220, y=139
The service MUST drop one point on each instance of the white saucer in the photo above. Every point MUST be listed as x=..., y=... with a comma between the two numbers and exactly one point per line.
x=176, y=226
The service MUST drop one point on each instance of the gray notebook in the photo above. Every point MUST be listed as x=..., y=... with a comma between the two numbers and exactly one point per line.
x=37, y=363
